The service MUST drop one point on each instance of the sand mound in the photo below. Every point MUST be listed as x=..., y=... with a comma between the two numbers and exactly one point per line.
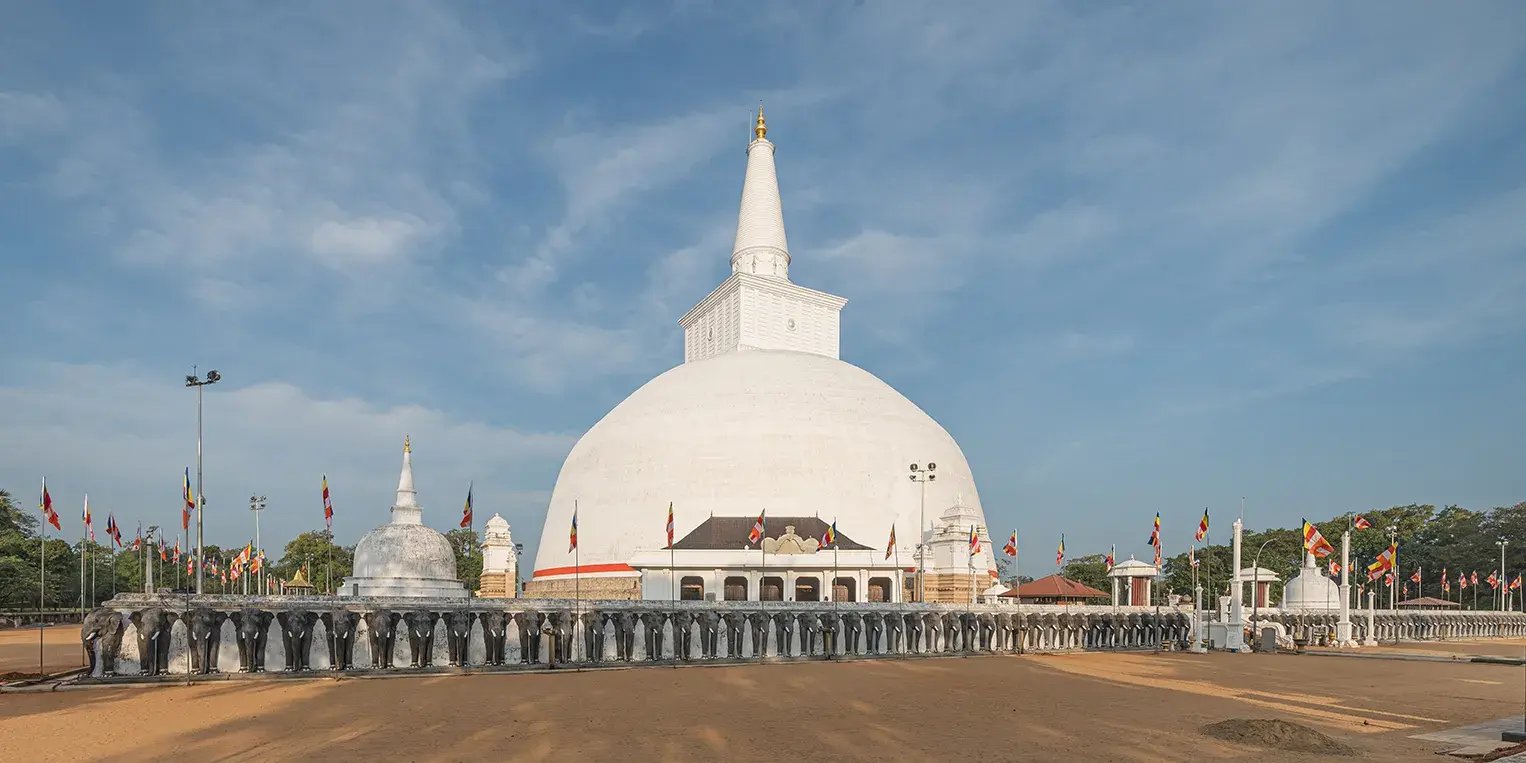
x=1278, y=735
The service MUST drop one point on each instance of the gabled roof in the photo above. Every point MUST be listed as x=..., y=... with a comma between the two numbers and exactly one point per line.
x=1429, y=601
x=730, y=533
x=1055, y=587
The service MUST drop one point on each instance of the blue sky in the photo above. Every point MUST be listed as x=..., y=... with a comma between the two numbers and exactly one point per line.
x=1134, y=258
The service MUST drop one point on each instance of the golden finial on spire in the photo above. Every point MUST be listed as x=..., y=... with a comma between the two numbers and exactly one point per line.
x=407, y=448
x=762, y=129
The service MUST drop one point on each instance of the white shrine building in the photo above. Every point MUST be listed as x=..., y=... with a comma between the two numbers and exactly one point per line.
x=762, y=415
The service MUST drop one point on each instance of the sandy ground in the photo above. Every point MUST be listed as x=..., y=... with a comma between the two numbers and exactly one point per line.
x=60, y=649
x=1096, y=706
x=1458, y=649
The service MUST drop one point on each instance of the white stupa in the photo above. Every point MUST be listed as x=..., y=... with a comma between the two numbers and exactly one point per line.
x=761, y=415
x=1311, y=590
x=404, y=557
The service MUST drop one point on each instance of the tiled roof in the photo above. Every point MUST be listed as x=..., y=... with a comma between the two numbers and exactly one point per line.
x=731, y=533
x=1056, y=587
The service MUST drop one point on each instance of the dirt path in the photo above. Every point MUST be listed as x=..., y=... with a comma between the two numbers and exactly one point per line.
x=987, y=708
x=60, y=649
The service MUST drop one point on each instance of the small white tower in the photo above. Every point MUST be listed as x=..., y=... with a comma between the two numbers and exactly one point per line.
x=500, y=565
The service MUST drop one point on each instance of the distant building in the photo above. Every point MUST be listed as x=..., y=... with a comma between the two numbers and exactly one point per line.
x=500, y=561
x=1054, y=589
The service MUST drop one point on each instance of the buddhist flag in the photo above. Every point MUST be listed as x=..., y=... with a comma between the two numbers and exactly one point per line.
x=1462, y=581
x=1416, y=576
x=1155, y=531
x=1335, y=568
x=1202, y=527
x=1361, y=523
x=890, y=546
x=164, y=554
x=466, y=511
x=190, y=501
x=137, y=543
x=1474, y=580
x=757, y=528
x=1059, y=553
x=1446, y=581
x=176, y=556
x=572, y=535
x=1494, y=581
x=1011, y=548
x=1515, y=584
x=1157, y=557
x=89, y=525
x=46, y=504
x=829, y=536
x=1191, y=559
x=670, y=528
x=258, y=562
x=1108, y=561
x=112, y=529
x=328, y=505
x=1314, y=542
x=974, y=541
x=189, y=564
x=1388, y=580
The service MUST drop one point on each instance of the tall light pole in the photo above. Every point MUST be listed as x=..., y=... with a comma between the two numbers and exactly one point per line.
x=257, y=505
x=1503, y=587
x=922, y=476
x=192, y=380
x=1255, y=586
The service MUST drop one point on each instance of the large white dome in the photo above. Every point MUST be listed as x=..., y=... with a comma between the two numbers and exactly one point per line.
x=405, y=551
x=795, y=433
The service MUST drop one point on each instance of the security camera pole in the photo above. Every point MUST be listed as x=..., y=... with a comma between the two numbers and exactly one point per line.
x=922, y=476
x=212, y=377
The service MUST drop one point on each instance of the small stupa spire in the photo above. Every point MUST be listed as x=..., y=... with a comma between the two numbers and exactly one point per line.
x=405, y=510
x=761, y=130
x=761, y=247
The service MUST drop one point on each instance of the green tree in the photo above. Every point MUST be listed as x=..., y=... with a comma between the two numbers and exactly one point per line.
x=468, y=556
x=327, y=563
x=1090, y=570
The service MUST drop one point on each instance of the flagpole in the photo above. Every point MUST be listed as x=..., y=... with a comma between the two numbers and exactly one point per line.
x=577, y=565
x=900, y=576
x=42, y=581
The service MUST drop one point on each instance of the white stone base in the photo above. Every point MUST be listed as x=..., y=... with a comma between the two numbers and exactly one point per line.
x=408, y=587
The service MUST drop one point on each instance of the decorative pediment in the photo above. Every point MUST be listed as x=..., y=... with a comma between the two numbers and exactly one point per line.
x=790, y=543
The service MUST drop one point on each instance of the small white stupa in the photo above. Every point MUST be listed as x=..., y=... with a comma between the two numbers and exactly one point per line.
x=404, y=557
x=1310, y=590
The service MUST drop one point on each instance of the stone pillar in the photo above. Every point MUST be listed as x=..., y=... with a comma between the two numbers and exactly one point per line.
x=1371, y=626
x=1197, y=621
x=1115, y=593
x=1234, y=640
x=1343, y=626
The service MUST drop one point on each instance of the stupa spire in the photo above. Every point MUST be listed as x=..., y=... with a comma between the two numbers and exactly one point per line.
x=406, y=510
x=760, y=247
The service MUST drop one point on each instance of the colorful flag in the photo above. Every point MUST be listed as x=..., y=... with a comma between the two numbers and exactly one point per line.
x=1191, y=558
x=1494, y=581
x=1202, y=527
x=1474, y=579
x=1415, y=577
x=46, y=504
x=89, y=525
x=757, y=528
x=1314, y=542
x=572, y=536
x=1059, y=553
x=466, y=511
x=1516, y=584
x=328, y=506
x=1108, y=561
x=974, y=541
x=1155, y=531
x=1462, y=581
x=1404, y=591
x=1011, y=548
x=1388, y=580
x=1335, y=568
x=176, y=557
x=190, y=565
x=137, y=543
x=1446, y=582
x=829, y=536
x=164, y=553
x=1157, y=557
x=670, y=529
x=112, y=529
x=257, y=562
x=890, y=546
x=1361, y=523
x=190, y=501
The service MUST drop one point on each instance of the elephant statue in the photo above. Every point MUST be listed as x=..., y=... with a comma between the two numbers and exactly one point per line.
x=830, y=625
x=420, y=624
x=204, y=630
x=810, y=627
x=852, y=626
x=561, y=624
x=1006, y=633
x=154, y=625
x=529, y=622
x=874, y=629
x=683, y=634
x=458, y=635
x=103, y=626
x=951, y=630
x=593, y=635
x=987, y=624
x=651, y=622
x=382, y=626
x=340, y=625
x=894, y=624
x=969, y=627
x=251, y=627
x=932, y=628
x=297, y=637
x=914, y=625
x=758, y=623
x=736, y=625
x=625, y=634
x=709, y=633
x=784, y=630
x=495, y=634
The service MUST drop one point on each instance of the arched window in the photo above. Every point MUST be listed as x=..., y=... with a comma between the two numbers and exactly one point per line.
x=736, y=588
x=879, y=589
x=773, y=589
x=845, y=589
x=807, y=589
x=691, y=588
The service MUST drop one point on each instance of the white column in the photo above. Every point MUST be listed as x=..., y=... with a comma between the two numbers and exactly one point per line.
x=1343, y=626
x=1197, y=620
x=1372, y=639
x=1234, y=640
x=1115, y=593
